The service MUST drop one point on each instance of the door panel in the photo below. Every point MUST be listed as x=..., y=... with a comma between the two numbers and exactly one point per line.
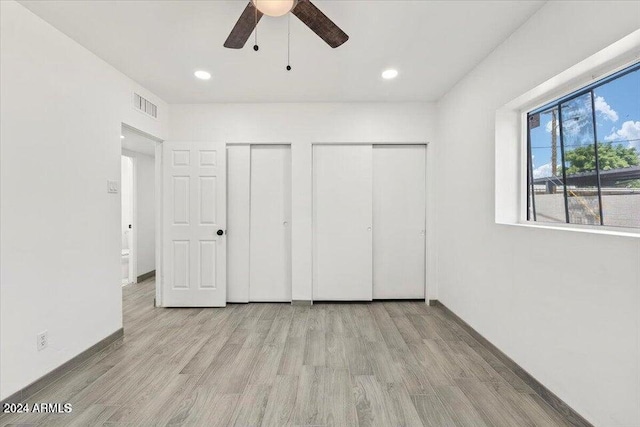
x=208, y=185
x=239, y=202
x=180, y=264
x=207, y=269
x=399, y=221
x=342, y=221
x=194, y=209
x=270, y=248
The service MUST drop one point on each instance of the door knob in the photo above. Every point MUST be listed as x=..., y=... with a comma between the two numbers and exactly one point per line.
x=220, y=232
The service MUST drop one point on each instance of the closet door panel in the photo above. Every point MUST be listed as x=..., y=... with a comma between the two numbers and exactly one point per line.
x=399, y=221
x=238, y=206
x=342, y=220
x=270, y=247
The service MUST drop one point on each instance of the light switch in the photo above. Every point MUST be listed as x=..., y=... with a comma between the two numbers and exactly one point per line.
x=112, y=187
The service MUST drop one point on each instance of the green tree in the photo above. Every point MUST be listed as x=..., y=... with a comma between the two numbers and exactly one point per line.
x=583, y=159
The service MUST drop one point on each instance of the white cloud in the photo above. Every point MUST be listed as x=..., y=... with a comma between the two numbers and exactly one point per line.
x=630, y=131
x=544, y=171
x=605, y=109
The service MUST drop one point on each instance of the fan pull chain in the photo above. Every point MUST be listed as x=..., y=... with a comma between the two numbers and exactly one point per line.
x=255, y=46
x=289, y=42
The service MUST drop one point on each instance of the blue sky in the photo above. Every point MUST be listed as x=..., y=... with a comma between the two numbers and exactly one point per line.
x=617, y=106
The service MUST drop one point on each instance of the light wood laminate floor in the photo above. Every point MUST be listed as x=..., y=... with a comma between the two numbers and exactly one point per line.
x=377, y=364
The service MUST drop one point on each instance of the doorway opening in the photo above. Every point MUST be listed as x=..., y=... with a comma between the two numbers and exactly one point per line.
x=126, y=225
x=138, y=198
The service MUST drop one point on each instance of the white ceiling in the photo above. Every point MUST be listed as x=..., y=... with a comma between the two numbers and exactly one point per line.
x=161, y=43
x=134, y=141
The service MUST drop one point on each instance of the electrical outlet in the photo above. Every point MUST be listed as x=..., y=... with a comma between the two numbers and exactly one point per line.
x=43, y=340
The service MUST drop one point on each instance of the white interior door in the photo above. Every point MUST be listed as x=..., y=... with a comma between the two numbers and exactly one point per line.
x=239, y=222
x=399, y=221
x=342, y=221
x=270, y=235
x=194, y=218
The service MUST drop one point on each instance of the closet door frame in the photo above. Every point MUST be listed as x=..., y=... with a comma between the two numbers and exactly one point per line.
x=429, y=264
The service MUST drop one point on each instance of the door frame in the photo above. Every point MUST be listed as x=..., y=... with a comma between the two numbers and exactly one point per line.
x=429, y=264
x=158, y=207
x=157, y=301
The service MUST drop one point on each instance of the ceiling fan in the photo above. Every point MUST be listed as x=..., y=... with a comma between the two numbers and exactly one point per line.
x=304, y=10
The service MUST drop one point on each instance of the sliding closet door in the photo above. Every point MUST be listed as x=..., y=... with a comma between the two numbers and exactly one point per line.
x=399, y=221
x=270, y=235
x=238, y=222
x=342, y=211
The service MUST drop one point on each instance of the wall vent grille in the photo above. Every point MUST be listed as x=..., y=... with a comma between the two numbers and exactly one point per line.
x=145, y=106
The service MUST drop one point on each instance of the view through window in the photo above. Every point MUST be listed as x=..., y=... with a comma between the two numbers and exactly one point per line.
x=584, y=155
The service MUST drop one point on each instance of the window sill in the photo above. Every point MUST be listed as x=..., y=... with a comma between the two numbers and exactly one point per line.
x=618, y=232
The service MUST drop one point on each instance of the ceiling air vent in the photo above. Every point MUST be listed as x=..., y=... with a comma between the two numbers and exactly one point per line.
x=143, y=105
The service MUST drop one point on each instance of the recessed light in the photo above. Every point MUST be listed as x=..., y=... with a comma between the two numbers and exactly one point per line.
x=389, y=74
x=202, y=75
x=121, y=136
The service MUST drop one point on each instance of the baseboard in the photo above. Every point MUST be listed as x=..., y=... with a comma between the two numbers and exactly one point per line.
x=547, y=395
x=146, y=276
x=301, y=302
x=65, y=368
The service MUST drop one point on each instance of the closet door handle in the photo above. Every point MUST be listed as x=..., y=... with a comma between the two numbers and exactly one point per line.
x=220, y=232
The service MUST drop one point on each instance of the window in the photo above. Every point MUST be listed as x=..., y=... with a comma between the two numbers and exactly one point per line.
x=583, y=154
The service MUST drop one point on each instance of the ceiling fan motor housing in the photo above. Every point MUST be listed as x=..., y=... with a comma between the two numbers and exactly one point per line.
x=274, y=7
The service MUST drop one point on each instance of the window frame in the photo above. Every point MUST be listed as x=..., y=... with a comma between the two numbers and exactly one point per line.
x=554, y=98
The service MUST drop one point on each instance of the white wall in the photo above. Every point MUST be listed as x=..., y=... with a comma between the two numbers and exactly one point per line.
x=564, y=305
x=61, y=112
x=145, y=181
x=301, y=125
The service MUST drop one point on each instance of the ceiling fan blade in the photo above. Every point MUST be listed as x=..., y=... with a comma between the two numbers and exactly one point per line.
x=324, y=27
x=244, y=27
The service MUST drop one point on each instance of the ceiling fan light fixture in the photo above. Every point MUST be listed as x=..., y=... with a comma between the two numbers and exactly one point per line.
x=274, y=7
